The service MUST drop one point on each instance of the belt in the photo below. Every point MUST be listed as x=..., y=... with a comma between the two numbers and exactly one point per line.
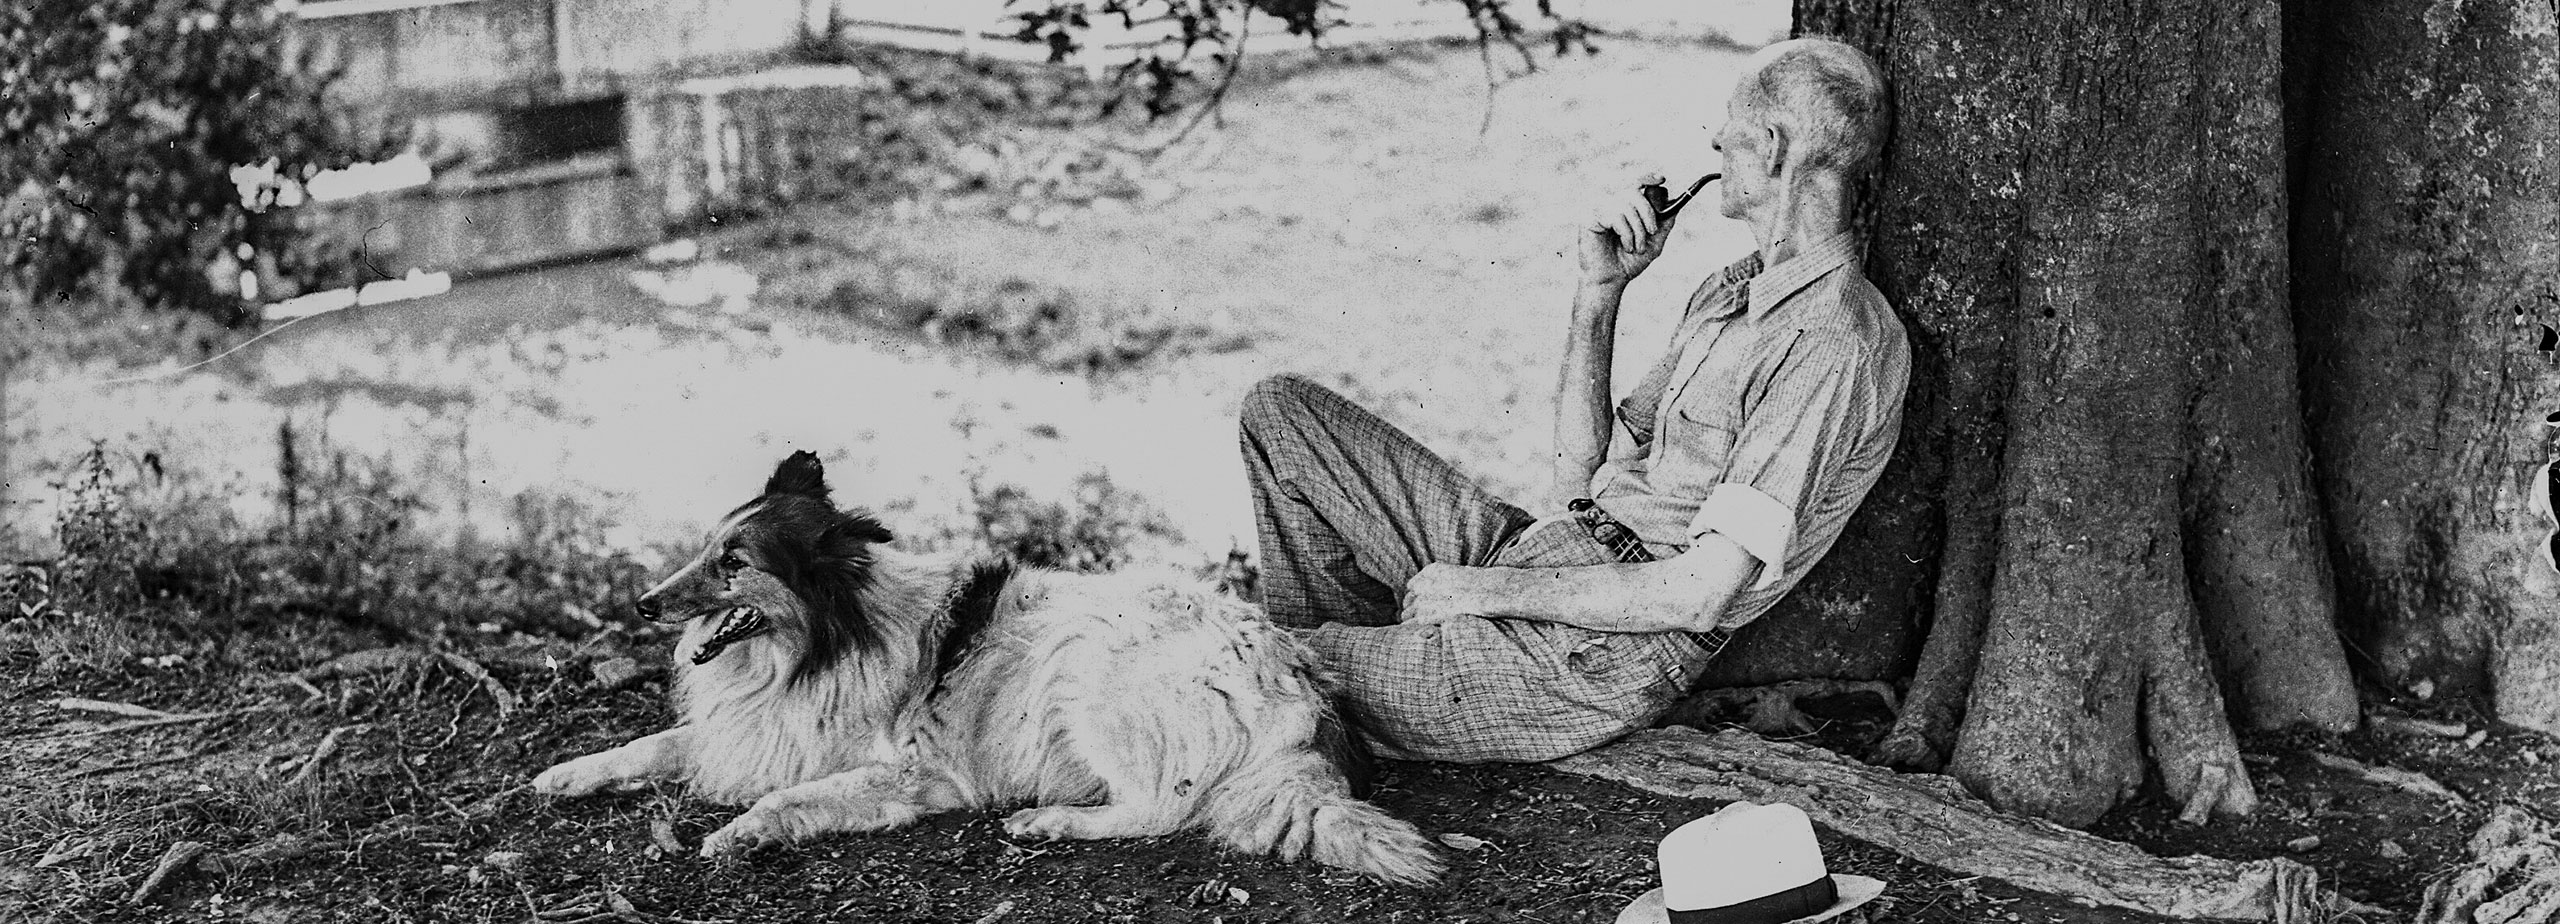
x=1610, y=533
x=1629, y=548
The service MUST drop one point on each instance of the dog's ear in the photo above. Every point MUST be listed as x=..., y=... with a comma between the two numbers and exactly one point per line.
x=850, y=534
x=800, y=474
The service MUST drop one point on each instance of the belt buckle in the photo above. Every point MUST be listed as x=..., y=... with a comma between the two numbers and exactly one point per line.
x=1606, y=530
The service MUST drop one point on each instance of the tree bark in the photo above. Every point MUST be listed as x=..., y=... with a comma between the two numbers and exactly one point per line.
x=1944, y=249
x=2092, y=619
x=2429, y=228
x=2255, y=539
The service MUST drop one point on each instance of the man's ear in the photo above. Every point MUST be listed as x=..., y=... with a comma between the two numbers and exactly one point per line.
x=1778, y=143
x=800, y=474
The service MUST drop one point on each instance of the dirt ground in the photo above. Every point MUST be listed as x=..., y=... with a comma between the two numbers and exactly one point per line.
x=420, y=814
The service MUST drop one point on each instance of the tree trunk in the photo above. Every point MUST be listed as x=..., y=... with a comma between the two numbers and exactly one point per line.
x=2083, y=216
x=2090, y=596
x=1944, y=250
x=2255, y=542
x=2426, y=257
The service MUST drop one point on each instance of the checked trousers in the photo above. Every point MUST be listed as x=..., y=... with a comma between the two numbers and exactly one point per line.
x=1348, y=508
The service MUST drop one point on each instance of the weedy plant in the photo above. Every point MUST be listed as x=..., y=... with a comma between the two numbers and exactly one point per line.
x=1019, y=321
x=1096, y=532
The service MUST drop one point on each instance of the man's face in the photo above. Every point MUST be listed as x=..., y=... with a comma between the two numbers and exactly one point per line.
x=1746, y=147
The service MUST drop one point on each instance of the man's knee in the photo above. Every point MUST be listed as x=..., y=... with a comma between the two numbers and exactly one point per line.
x=1277, y=401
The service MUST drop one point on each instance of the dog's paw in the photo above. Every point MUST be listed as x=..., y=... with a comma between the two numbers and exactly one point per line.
x=745, y=833
x=581, y=777
x=1044, y=823
x=568, y=779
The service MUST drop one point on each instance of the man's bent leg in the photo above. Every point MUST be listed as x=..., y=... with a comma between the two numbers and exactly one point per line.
x=1347, y=507
x=1474, y=689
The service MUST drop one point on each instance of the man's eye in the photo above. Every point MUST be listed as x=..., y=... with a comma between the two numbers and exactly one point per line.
x=729, y=561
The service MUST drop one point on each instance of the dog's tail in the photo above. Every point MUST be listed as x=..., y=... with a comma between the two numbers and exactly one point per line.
x=1299, y=805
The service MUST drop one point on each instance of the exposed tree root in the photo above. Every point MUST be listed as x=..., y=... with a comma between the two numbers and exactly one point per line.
x=1932, y=819
x=2513, y=876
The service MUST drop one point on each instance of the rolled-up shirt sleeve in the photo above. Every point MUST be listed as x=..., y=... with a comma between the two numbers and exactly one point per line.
x=1793, y=440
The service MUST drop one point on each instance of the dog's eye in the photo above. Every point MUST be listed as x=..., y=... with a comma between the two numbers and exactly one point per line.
x=729, y=561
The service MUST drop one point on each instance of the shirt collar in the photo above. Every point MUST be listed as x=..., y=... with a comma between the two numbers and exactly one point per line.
x=1714, y=298
x=1789, y=276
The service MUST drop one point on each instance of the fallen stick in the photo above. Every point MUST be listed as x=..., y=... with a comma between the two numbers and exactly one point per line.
x=328, y=747
x=2409, y=725
x=155, y=723
x=181, y=855
x=1932, y=819
x=128, y=710
x=505, y=698
x=2394, y=777
x=368, y=661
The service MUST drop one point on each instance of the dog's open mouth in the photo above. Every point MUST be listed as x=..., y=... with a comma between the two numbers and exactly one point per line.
x=738, y=625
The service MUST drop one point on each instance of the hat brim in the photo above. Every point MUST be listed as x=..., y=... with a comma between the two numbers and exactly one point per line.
x=1854, y=891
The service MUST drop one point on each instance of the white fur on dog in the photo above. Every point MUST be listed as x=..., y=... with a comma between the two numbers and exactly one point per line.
x=1123, y=705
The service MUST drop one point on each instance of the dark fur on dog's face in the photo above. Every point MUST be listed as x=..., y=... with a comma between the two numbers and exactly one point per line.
x=791, y=557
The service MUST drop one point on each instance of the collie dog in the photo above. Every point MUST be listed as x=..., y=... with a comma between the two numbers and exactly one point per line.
x=838, y=684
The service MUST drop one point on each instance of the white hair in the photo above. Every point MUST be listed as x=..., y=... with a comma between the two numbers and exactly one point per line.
x=1826, y=95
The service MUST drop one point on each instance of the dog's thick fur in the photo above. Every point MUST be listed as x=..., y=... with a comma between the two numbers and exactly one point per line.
x=882, y=686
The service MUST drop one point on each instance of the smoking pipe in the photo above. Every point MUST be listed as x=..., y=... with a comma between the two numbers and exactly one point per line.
x=1664, y=206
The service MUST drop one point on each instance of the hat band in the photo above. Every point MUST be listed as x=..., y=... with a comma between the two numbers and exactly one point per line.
x=1803, y=901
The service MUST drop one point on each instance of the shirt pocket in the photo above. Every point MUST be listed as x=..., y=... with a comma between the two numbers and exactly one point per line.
x=1701, y=445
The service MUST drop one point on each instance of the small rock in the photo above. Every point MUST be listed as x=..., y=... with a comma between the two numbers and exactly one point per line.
x=2303, y=844
x=508, y=860
x=1462, y=842
x=2476, y=739
x=2423, y=689
x=615, y=673
x=2391, y=850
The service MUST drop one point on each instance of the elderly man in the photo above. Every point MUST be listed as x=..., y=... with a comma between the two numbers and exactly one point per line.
x=1468, y=630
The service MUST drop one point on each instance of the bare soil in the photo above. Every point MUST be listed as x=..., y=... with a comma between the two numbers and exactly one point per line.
x=421, y=814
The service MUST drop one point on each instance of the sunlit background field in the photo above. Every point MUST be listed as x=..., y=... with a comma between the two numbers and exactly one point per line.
x=1377, y=219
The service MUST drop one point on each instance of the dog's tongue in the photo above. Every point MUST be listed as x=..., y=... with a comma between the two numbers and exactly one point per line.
x=738, y=625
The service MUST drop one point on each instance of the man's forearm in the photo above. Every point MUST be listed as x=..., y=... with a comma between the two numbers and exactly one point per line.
x=1582, y=389
x=1688, y=592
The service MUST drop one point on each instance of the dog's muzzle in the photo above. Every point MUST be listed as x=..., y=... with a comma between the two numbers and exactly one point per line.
x=739, y=624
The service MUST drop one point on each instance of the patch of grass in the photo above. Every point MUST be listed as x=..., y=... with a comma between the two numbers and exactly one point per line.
x=152, y=571
x=1094, y=531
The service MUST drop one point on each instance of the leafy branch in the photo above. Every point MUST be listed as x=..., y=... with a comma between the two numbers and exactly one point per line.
x=1162, y=73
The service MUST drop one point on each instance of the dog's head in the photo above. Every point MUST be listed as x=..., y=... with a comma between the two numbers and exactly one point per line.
x=786, y=564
